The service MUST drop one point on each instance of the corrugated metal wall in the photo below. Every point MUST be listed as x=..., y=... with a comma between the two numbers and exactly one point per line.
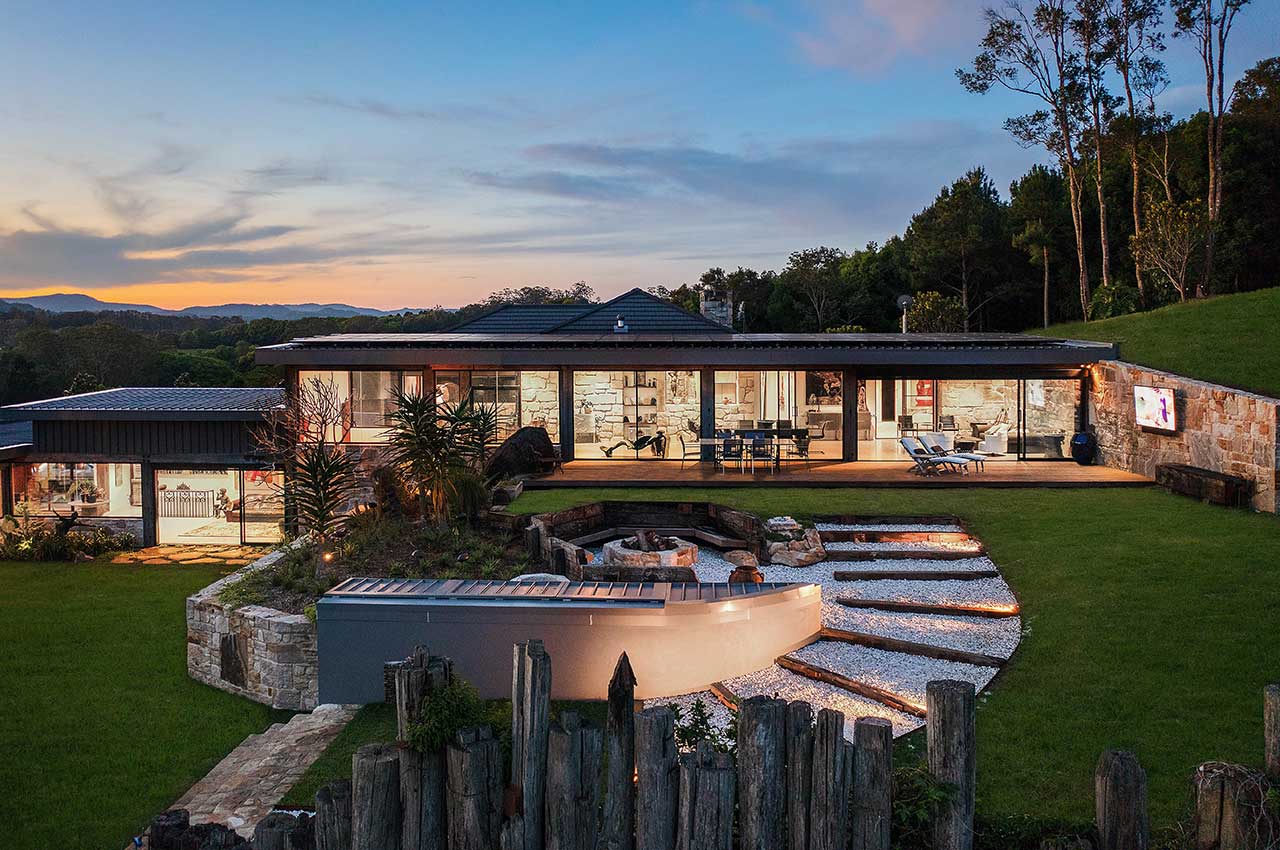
x=143, y=439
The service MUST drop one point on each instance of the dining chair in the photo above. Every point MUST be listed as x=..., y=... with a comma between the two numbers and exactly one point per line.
x=761, y=448
x=730, y=449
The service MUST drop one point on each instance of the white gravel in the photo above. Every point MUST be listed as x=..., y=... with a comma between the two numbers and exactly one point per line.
x=980, y=591
x=901, y=546
x=897, y=672
x=996, y=637
x=774, y=681
x=720, y=717
x=912, y=565
x=889, y=526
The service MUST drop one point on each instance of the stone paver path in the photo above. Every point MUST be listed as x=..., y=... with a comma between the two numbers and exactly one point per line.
x=230, y=555
x=243, y=787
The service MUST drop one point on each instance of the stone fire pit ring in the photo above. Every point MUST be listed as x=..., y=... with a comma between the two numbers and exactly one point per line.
x=618, y=554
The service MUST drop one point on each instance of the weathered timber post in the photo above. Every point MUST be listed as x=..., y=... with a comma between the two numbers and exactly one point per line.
x=829, y=790
x=167, y=829
x=620, y=788
x=575, y=752
x=952, y=760
x=421, y=774
x=512, y=835
x=473, y=789
x=1120, y=799
x=283, y=831
x=333, y=816
x=707, y=780
x=872, y=811
x=375, y=798
x=657, y=779
x=1231, y=809
x=799, y=773
x=1271, y=730
x=530, y=725
x=762, y=772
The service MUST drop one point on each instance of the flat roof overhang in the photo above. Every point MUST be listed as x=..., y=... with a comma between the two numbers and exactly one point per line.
x=872, y=352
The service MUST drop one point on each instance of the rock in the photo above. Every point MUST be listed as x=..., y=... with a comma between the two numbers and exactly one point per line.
x=619, y=553
x=781, y=524
x=741, y=558
x=748, y=574
x=521, y=454
x=795, y=553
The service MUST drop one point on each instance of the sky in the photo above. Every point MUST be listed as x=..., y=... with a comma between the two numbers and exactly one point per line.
x=418, y=154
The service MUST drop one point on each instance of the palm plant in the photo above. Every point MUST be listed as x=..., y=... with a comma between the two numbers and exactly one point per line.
x=440, y=451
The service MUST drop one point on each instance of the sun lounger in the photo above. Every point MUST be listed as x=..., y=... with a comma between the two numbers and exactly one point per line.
x=935, y=448
x=926, y=463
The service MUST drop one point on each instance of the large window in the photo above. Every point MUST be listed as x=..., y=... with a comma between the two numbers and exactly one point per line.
x=367, y=397
x=90, y=489
x=634, y=414
x=526, y=397
x=216, y=506
x=810, y=400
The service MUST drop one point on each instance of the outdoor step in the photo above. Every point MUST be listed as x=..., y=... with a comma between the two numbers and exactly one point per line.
x=922, y=575
x=890, y=519
x=852, y=535
x=904, y=554
x=854, y=686
x=993, y=611
x=926, y=650
x=905, y=676
x=784, y=684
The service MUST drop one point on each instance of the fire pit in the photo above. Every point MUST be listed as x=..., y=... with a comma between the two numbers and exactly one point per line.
x=650, y=549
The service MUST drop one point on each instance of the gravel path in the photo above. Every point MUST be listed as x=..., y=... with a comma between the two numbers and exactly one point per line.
x=897, y=672
x=922, y=565
x=981, y=591
x=972, y=634
x=888, y=526
x=774, y=681
x=854, y=546
x=720, y=716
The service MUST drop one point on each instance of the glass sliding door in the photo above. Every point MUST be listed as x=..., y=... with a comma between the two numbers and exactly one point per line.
x=520, y=397
x=980, y=415
x=635, y=415
x=89, y=489
x=1050, y=416
x=223, y=506
x=783, y=400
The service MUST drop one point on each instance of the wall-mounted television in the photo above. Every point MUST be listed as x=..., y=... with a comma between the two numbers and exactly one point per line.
x=1153, y=409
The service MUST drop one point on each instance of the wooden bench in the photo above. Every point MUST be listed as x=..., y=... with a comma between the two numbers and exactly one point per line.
x=1215, y=488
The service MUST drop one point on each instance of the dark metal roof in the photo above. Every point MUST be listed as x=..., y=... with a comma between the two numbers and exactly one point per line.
x=15, y=439
x=144, y=403
x=591, y=592
x=522, y=318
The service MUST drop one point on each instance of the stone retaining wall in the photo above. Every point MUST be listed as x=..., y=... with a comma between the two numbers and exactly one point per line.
x=260, y=653
x=1219, y=428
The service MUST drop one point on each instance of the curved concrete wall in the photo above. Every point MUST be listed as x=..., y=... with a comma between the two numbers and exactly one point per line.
x=674, y=646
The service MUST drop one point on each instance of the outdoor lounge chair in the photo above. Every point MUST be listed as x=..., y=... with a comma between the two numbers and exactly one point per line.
x=926, y=463
x=935, y=448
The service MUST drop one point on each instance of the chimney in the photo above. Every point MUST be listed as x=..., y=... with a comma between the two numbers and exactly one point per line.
x=716, y=305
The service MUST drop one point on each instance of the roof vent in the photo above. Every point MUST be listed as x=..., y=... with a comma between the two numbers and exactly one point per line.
x=620, y=326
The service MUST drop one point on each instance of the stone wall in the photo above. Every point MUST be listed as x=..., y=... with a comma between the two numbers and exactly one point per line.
x=1219, y=428
x=540, y=400
x=260, y=653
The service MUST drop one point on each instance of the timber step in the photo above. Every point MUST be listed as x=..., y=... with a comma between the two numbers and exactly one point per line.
x=918, y=575
x=727, y=697
x=904, y=554
x=994, y=612
x=853, y=686
x=891, y=644
x=851, y=535
x=891, y=519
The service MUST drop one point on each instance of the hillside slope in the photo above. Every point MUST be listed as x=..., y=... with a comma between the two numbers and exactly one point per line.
x=1231, y=339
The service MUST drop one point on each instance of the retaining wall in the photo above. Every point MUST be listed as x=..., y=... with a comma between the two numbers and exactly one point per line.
x=257, y=652
x=1219, y=428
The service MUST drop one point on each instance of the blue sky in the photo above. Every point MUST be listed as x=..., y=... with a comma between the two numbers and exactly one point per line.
x=407, y=154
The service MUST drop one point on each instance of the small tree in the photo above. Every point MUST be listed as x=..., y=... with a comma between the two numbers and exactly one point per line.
x=933, y=312
x=1174, y=235
x=303, y=439
x=440, y=451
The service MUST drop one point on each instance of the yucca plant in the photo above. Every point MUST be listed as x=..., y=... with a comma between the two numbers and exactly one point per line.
x=440, y=451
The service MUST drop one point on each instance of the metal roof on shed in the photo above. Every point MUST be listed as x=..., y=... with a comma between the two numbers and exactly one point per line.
x=632, y=593
x=198, y=403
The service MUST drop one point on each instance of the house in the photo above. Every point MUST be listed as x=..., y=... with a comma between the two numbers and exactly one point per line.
x=638, y=378
x=167, y=464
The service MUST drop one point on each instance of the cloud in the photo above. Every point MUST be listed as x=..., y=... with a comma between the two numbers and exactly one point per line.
x=123, y=194
x=869, y=36
x=561, y=184
x=375, y=108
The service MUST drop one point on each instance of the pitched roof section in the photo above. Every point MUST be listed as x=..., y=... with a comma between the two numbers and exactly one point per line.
x=129, y=403
x=644, y=313
x=522, y=318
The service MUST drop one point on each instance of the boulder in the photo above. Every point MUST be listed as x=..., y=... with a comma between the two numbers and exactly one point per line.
x=781, y=524
x=741, y=558
x=749, y=574
x=783, y=554
x=523, y=453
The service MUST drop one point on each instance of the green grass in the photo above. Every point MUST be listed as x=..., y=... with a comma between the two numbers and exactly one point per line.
x=100, y=727
x=1228, y=340
x=1150, y=624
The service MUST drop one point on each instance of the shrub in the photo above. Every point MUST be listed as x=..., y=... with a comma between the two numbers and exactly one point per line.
x=697, y=726
x=27, y=537
x=445, y=711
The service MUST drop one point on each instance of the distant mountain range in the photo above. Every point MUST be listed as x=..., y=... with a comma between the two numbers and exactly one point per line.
x=76, y=302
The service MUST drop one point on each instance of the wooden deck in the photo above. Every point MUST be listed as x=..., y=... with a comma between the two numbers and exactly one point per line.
x=640, y=473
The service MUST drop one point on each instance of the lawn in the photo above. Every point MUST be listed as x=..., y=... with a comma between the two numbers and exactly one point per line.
x=1150, y=624
x=100, y=727
x=1229, y=340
